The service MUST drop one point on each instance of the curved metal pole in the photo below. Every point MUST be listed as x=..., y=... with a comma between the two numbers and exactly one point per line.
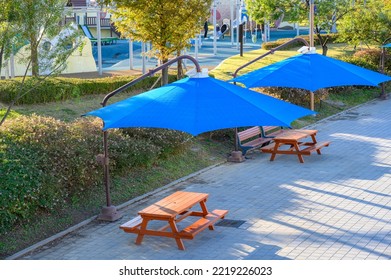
x=271, y=52
x=109, y=213
x=150, y=73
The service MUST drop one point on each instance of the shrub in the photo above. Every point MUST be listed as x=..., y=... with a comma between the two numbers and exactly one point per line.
x=45, y=163
x=59, y=89
x=370, y=59
x=279, y=42
x=166, y=140
x=296, y=96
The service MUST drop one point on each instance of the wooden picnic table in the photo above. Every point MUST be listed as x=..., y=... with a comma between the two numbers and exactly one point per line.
x=173, y=209
x=292, y=138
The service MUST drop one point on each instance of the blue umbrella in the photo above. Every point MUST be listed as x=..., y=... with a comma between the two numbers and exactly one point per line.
x=197, y=105
x=311, y=71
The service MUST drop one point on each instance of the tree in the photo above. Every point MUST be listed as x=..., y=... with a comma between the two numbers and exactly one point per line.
x=29, y=22
x=36, y=23
x=8, y=16
x=167, y=24
x=327, y=13
x=265, y=10
x=369, y=22
x=39, y=19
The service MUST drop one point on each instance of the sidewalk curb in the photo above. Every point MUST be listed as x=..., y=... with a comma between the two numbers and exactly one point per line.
x=119, y=207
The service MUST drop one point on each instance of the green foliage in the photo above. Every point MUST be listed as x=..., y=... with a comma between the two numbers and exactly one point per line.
x=168, y=24
x=46, y=163
x=368, y=22
x=59, y=89
x=167, y=141
x=261, y=10
x=370, y=59
x=12, y=114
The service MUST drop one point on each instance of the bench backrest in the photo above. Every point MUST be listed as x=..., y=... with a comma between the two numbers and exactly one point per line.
x=271, y=130
x=249, y=133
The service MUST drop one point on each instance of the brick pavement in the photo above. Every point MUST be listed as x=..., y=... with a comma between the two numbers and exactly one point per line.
x=334, y=206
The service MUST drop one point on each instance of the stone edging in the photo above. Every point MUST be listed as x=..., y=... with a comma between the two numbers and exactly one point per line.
x=121, y=206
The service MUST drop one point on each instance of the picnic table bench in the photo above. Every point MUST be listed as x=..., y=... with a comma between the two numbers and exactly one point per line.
x=172, y=210
x=292, y=139
x=257, y=136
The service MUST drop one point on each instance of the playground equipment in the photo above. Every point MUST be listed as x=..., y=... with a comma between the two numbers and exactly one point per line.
x=81, y=59
x=220, y=31
x=104, y=40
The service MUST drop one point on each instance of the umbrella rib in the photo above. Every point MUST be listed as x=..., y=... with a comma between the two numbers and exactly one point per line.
x=135, y=110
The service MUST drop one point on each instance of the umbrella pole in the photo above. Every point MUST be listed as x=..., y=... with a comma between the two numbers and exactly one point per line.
x=312, y=96
x=312, y=15
x=383, y=58
x=312, y=18
x=109, y=212
x=236, y=139
x=236, y=155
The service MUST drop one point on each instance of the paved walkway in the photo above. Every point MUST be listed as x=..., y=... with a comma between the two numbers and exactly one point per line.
x=334, y=206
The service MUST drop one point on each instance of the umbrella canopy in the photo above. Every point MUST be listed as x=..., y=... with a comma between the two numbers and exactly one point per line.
x=311, y=71
x=199, y=104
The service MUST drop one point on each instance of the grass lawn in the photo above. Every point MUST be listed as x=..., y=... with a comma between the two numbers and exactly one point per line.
x=225, y=70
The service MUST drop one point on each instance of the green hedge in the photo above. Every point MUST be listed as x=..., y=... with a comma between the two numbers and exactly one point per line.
x=46, y=164
x=279, y=42
x=59, y=89
x=370, y=59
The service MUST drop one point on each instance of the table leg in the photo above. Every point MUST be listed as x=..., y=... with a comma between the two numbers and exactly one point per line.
x=206, y=212
x=276, y=146
x=175, y=232
x=143, y=228
x=299, y=155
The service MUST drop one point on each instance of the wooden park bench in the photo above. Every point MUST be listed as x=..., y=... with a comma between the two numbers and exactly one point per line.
x=256, y=137
x=271, y=131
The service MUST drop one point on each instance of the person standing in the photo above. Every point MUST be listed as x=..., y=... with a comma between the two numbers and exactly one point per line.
x=206, y=29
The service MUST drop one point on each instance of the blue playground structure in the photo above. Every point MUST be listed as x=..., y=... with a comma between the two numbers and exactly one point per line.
x=112, y=54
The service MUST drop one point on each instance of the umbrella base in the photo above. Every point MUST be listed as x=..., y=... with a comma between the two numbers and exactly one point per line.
x=109, y=213
x=236, y=156
x=384, y=96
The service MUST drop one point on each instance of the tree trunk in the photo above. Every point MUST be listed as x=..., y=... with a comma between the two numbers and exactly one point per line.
x=34, y=57
x=180, y=68
x=324, y=49
x=1, y=57
x=323, y=42
x=164, y=74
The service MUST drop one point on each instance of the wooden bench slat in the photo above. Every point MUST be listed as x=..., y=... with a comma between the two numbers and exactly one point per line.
x=201, y=224
x=248, y=133
x=315, y=147
x=257, y=142
x=269, y=148
x=132, y=225
x=271, y=131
